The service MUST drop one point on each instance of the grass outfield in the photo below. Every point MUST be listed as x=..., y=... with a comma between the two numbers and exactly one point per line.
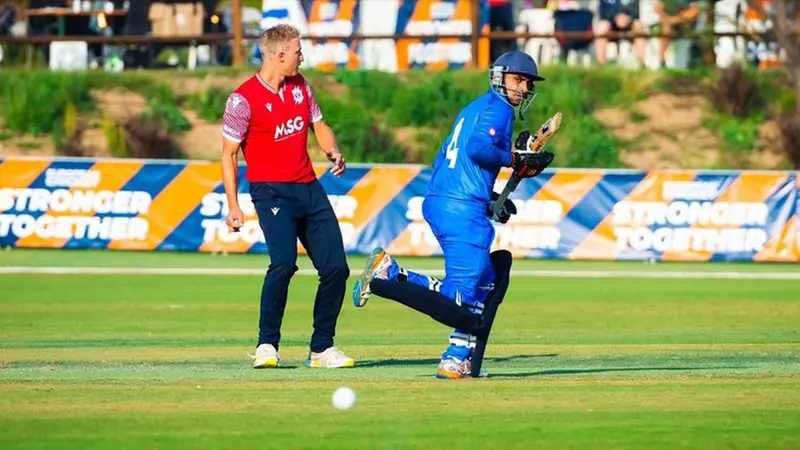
x=103, y=258
x=144, y=361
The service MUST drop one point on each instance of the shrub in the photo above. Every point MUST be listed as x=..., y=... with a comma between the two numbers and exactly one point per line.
x=735, y=92
x=358, y=133
x=68, y=133
x=739, y=135
x=34, y=101
x=209, y=103
x=431, y=143
x=148, y=138
x=376, y=89
x=167, y=115
x=431, y=102
x=584, y=142
x=115, y=137
x=599, y=87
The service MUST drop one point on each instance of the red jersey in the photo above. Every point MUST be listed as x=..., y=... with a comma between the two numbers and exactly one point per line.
x=272, y=128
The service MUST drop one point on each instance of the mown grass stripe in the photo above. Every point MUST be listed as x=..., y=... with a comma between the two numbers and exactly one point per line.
x=731, y=275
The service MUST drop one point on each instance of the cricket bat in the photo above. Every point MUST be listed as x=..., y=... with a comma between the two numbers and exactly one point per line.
x=536, y=144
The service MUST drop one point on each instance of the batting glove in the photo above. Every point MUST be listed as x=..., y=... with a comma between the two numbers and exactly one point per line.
x=526, y=164
x=523, y=141
x=505, y=212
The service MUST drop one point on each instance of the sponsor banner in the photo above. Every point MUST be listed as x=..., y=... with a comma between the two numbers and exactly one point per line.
x=424, y=20
x=429, y=19
x=337, y=19
x=567, y=214
x=766, y=54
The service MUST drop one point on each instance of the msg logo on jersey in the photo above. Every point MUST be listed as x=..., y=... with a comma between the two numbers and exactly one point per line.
x=290, y=128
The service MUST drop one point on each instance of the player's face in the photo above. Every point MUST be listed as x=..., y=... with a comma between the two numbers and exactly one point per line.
x=291, y=58
x=517, y=88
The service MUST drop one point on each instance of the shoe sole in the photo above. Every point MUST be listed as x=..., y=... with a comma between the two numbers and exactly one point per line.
x=267, y=364
x=442, y=375
x=361, y=292
x=318, y=365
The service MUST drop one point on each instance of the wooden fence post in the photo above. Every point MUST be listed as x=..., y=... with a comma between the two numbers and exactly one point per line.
x=476, y=30
x=238, y=56
x=711, y=54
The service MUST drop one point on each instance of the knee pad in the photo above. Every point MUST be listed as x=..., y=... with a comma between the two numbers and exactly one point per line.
x=501, y=261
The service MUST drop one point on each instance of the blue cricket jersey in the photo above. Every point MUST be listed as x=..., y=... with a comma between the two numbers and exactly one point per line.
x=476, y=149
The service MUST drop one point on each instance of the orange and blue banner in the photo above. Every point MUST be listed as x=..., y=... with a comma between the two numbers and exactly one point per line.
x=676, y=215
x=427, y=20
x=338, y=19
x=333, y=23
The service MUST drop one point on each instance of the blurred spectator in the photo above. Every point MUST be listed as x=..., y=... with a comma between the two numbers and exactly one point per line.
x=574, y=21
x=8, y=15
x=676, y=17
x=501, y=18
x=619, y=16
x=563, y=5
x=534, y=4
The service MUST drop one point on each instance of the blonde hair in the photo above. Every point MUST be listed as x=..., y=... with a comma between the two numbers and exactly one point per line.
x=275, y=38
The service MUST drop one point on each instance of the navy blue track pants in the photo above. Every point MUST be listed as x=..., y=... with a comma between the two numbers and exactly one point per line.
x=286, y=212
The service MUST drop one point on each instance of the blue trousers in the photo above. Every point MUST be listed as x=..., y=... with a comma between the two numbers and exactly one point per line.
x=465, y=234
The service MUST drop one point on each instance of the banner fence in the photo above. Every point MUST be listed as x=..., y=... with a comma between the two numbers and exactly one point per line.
x=424, y=21
x=676, y=215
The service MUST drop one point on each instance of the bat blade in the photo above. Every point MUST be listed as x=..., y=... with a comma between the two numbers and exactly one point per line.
x=546, y=132
x=536, y=144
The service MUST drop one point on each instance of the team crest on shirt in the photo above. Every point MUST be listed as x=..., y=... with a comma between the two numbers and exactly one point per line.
x=297, y=94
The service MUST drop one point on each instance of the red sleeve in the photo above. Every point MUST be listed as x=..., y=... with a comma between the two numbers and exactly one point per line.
x=236, y=119
x=316, y=112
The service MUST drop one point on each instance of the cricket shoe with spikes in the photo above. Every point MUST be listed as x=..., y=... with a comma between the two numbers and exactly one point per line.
x=451, y=368
x=332, y=358
x=379, y=265
x=266, y=357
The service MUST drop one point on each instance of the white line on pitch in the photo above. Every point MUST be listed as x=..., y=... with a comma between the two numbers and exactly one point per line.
x=519, y=273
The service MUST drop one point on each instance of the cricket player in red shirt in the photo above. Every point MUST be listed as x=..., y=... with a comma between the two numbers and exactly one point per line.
x=268, y=117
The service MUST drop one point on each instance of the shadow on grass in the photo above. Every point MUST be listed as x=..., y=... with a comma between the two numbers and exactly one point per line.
x=542, y=373
x=435, y=361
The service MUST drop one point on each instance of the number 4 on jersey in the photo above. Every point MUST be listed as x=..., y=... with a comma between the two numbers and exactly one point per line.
x=452, y=147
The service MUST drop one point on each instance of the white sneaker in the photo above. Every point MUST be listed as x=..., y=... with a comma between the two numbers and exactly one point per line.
x=266, y=356
x=331, y=358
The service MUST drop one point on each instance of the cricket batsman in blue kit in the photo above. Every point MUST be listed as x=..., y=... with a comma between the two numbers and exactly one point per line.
x=458, y=208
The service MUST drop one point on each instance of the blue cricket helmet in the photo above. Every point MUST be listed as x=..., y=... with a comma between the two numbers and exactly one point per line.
x=519, y=63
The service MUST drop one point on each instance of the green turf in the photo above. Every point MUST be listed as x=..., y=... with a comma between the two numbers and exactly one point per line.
x=102, y=258
x=160, y=362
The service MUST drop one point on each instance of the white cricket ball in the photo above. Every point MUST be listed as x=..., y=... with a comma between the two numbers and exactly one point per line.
x=344, y=398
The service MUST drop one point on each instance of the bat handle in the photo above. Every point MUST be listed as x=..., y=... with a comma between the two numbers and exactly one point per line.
x=510, y=186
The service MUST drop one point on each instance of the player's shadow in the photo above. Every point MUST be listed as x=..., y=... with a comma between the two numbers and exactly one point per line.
x=542, y=373
x=434, y=361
